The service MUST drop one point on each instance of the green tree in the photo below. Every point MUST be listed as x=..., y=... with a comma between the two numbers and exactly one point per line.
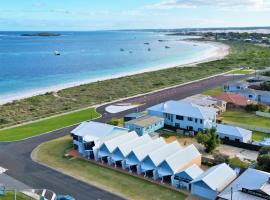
x=263, y=160
x=209, y=139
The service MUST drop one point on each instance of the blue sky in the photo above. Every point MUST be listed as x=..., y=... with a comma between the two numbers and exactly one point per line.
x=131, y=14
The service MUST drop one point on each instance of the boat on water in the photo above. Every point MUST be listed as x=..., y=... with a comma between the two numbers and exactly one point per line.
x=146, y=43
x=130, y=52
x=167, y=47
x=57, y=53
x=122, y=49
x=149, y=49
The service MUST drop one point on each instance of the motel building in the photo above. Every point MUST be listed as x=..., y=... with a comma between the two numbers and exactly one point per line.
x=151, y=162
x=88, y=136
x=210, y=183
x=178, y=161
x=106, y=149
x=135, y=157
x=119, y=155
x=185, y=115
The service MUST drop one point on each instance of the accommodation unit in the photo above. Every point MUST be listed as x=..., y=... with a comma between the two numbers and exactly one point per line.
x=233, y=86
x=178, y=161
x=151, y=162
x=207, y=101
x=132, y=116
x=234, y=100
x=134, y=159
x=209, y=184
x=184, y=115
x=183, y=178
x=251, y=185
x=88, y=136
x=145, y=125
x=234, y=133
x=120, y=153
x=256, y=95
x=109, y=146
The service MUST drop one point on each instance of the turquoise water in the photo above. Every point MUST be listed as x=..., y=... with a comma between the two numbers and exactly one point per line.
x=28, y=64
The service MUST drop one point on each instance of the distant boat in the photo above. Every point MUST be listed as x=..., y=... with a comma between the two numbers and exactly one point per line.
x=130, y=52
x=146, y=43
x=57, y=53
x=122, y=49
x=195, y=45
x=167, y=47
x=161, y=40
x=149, y=49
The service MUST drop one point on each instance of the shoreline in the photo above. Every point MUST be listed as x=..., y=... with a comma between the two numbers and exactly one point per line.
x=218, y=52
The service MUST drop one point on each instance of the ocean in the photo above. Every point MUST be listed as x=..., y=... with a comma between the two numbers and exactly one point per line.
x=29, y=64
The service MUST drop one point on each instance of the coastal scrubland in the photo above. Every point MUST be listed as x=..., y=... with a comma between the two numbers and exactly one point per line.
x=51, y=153
x=242, y=55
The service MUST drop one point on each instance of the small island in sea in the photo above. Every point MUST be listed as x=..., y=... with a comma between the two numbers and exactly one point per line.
x=43, y=34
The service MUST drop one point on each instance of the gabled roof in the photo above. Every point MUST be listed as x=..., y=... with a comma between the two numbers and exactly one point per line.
x=234, y=98
x=185, y=109
x=202, y=100
x=142, y=151
x=162, y=153
x=180, y=159
x=145, y=121
x=254, y=92
x=251, y=179
x=135, y=115
x=233, y=130
x=95, y=130
x=126, y=137
x=217, y=177
x=127, y=147
x=192, y=171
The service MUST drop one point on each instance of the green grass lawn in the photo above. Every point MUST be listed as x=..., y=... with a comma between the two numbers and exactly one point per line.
x=258, y=136
x=242, y=71
x=19, y=196
x=213, y=91
x=245, y=118
x=51, y=153
x=237, y=162
x=37, y=128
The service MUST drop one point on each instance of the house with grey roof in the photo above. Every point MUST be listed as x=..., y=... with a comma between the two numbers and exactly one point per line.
x=185, y=115
x=89, y=136
x=210, y=183
x=183, y=178
x=234, y=133
x=256, y=95
x=145, y=125
x=251, y=185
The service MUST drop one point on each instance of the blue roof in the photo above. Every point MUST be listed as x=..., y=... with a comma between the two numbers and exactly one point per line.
x=136, y=115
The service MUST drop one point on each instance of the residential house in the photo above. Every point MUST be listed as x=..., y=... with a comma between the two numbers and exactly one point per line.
x=106, y=149
x=256, y=95
x=178, y=161
x=207, y=101
x=209, y=184
x=184, y=115
x=234, y=86
x=119, y=155
x=234, y=100
x=145, y=125
x=183, y=178
x=136, y=156
x=234, y=133
x=151, y=162
x=132, y=116
x=251, y=185
x=88, y=136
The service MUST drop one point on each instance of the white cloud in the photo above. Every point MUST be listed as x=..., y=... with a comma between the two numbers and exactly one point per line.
x=250, y=5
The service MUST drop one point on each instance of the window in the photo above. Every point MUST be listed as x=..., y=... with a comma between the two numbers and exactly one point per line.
x=227, y=138
x=177, y=125
x=179, y=117
x=190, y=119
x=250, y=96
x=196, y=120
x=201, y=121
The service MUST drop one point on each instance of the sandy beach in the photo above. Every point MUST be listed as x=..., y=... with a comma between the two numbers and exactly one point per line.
x=218, y=52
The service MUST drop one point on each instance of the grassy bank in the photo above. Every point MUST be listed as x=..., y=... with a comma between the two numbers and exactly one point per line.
x=242, y=55
x=19, y=196
x=43, y=126
x=51, y=153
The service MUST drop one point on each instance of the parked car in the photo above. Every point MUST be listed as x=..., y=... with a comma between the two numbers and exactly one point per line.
x=64, y=197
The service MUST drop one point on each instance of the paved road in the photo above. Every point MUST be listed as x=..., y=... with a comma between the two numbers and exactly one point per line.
x=16, y=156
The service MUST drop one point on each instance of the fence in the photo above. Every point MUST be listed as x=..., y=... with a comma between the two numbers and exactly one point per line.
x=242, y=145
x=263, y=114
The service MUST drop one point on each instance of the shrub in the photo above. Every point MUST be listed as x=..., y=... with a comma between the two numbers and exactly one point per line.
x=209, y=139
x=252, y=108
